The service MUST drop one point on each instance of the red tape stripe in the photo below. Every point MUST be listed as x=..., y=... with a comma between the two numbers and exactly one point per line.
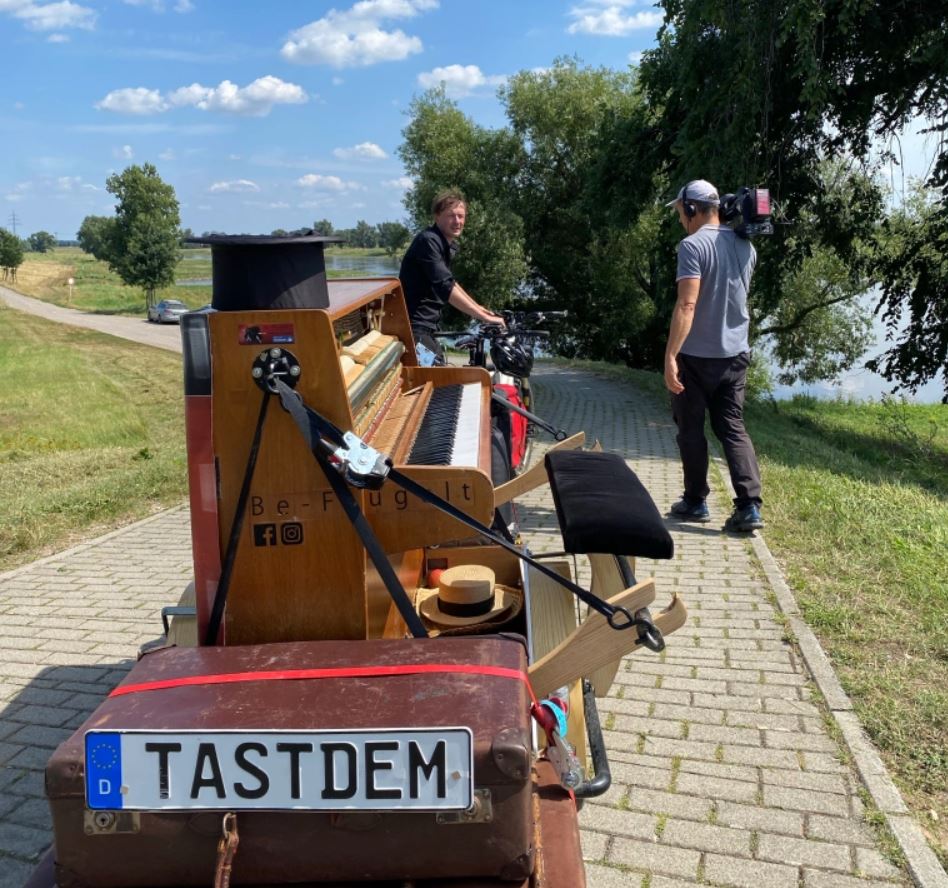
x=337, y=672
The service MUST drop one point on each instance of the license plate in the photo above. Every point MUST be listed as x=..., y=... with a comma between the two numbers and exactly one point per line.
x=387, y=770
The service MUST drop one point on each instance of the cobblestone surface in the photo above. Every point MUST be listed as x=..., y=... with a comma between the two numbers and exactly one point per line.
x=723, y=772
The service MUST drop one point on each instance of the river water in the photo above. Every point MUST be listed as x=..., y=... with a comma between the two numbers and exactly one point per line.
x=860, y=384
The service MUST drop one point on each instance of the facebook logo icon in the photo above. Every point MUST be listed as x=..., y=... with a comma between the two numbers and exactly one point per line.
x=104, y=770
x=264, y=535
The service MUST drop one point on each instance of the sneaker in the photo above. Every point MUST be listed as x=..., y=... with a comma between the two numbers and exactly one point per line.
x=687, y=511
x=745, y=520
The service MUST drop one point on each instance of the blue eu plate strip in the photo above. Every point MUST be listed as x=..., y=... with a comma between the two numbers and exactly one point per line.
x=104, y=770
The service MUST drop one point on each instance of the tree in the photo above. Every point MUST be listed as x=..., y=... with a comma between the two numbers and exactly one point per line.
x=96, y=236
x=393, y=236
x=41, y=242
x=147, y=235
x=323, y=227
x=765, y=91
x=914, y=305
x=585, y=257
x=364, y=235
x=11, y=254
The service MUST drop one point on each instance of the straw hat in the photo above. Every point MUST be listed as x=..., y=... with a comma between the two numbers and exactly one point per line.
x=466, y=595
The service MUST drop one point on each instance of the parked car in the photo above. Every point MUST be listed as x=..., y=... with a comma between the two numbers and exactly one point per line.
x=168, y=311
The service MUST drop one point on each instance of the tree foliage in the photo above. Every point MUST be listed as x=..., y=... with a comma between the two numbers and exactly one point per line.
x=11, y=253
x=393, y=236
x=95, y=236
x=145, y=242
x=41, y=242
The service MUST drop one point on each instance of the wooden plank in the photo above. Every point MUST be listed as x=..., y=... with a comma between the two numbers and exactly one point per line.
x=552, y=619
x=667, y=621
x=606, y=582
x=594, y=644
x=182, y=630
x=536, y=474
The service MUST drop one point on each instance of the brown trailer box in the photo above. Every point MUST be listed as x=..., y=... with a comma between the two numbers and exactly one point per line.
x=470, y=682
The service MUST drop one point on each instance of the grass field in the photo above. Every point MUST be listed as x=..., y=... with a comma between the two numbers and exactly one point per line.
x=91, y=434
x=856, y=504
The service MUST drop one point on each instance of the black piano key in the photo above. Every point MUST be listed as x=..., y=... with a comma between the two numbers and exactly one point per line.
x=435, y=438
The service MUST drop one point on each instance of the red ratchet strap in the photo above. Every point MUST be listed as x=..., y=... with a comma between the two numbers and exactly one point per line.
x=334, y=672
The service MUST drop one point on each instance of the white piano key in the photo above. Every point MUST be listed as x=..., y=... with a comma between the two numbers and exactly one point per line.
x=465, y=449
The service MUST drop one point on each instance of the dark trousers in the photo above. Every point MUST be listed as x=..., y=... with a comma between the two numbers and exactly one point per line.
x=715, y=386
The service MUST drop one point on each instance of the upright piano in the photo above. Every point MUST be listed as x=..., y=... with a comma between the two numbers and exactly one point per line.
x=301, y=571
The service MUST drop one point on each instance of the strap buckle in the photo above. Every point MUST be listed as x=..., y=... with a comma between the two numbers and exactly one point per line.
x=363, y=466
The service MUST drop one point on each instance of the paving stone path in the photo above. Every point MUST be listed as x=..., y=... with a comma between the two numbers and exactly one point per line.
x=723, y=771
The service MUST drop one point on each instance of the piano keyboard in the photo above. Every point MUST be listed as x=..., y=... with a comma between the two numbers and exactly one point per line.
x=450, y=431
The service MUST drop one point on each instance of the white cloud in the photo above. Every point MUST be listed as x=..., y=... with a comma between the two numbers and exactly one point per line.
x=160, y=6
x=235, y=185
x=167, y=154
x=337, y=81
x=459, y=80
x=362, y=151
x=134, y=100
x=402, y=182
x=355, y=37
x=608, y=19
x=18, y=106
x=635, y=57
x=123, y=153
x=255, y=100
x=327, y=183
x=50, y=16
x=73, y=183
x=58, y=38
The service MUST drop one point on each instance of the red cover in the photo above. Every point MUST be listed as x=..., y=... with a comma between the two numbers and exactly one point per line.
x=518, y=425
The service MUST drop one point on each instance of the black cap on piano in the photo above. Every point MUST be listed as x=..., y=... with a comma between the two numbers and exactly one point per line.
x=259, y=272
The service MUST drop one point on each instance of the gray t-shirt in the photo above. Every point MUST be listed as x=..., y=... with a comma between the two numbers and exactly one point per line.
x=725, y=263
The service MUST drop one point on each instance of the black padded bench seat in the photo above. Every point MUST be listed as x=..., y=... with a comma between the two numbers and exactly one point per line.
x=602, y=506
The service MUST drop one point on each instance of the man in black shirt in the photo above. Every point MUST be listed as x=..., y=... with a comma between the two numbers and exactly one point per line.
x=426, y=272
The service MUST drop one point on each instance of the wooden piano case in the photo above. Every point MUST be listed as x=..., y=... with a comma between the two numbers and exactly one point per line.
x=301, y=571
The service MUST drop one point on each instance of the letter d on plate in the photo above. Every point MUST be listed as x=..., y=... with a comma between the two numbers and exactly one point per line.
x=104, y=770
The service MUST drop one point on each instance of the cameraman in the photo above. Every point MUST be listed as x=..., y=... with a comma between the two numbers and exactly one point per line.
x=426, y=274
x=708, y=354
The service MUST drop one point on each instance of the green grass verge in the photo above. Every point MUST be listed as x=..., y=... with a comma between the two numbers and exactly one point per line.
x=856, y=504
x=91, y=434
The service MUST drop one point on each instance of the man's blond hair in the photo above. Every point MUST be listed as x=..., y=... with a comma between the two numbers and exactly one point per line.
x=445, y=199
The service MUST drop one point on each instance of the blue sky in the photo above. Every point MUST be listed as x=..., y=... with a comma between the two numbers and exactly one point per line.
x=261, y=115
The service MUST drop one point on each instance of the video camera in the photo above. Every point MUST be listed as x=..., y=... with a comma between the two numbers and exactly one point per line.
x=748, y=212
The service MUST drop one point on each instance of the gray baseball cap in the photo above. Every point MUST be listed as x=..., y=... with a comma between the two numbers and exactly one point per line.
x=698, y=189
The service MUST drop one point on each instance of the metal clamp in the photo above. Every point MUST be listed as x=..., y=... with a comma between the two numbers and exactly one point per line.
x=363, y=466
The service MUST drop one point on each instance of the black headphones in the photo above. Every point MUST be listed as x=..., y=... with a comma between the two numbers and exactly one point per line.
x=690, y=209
